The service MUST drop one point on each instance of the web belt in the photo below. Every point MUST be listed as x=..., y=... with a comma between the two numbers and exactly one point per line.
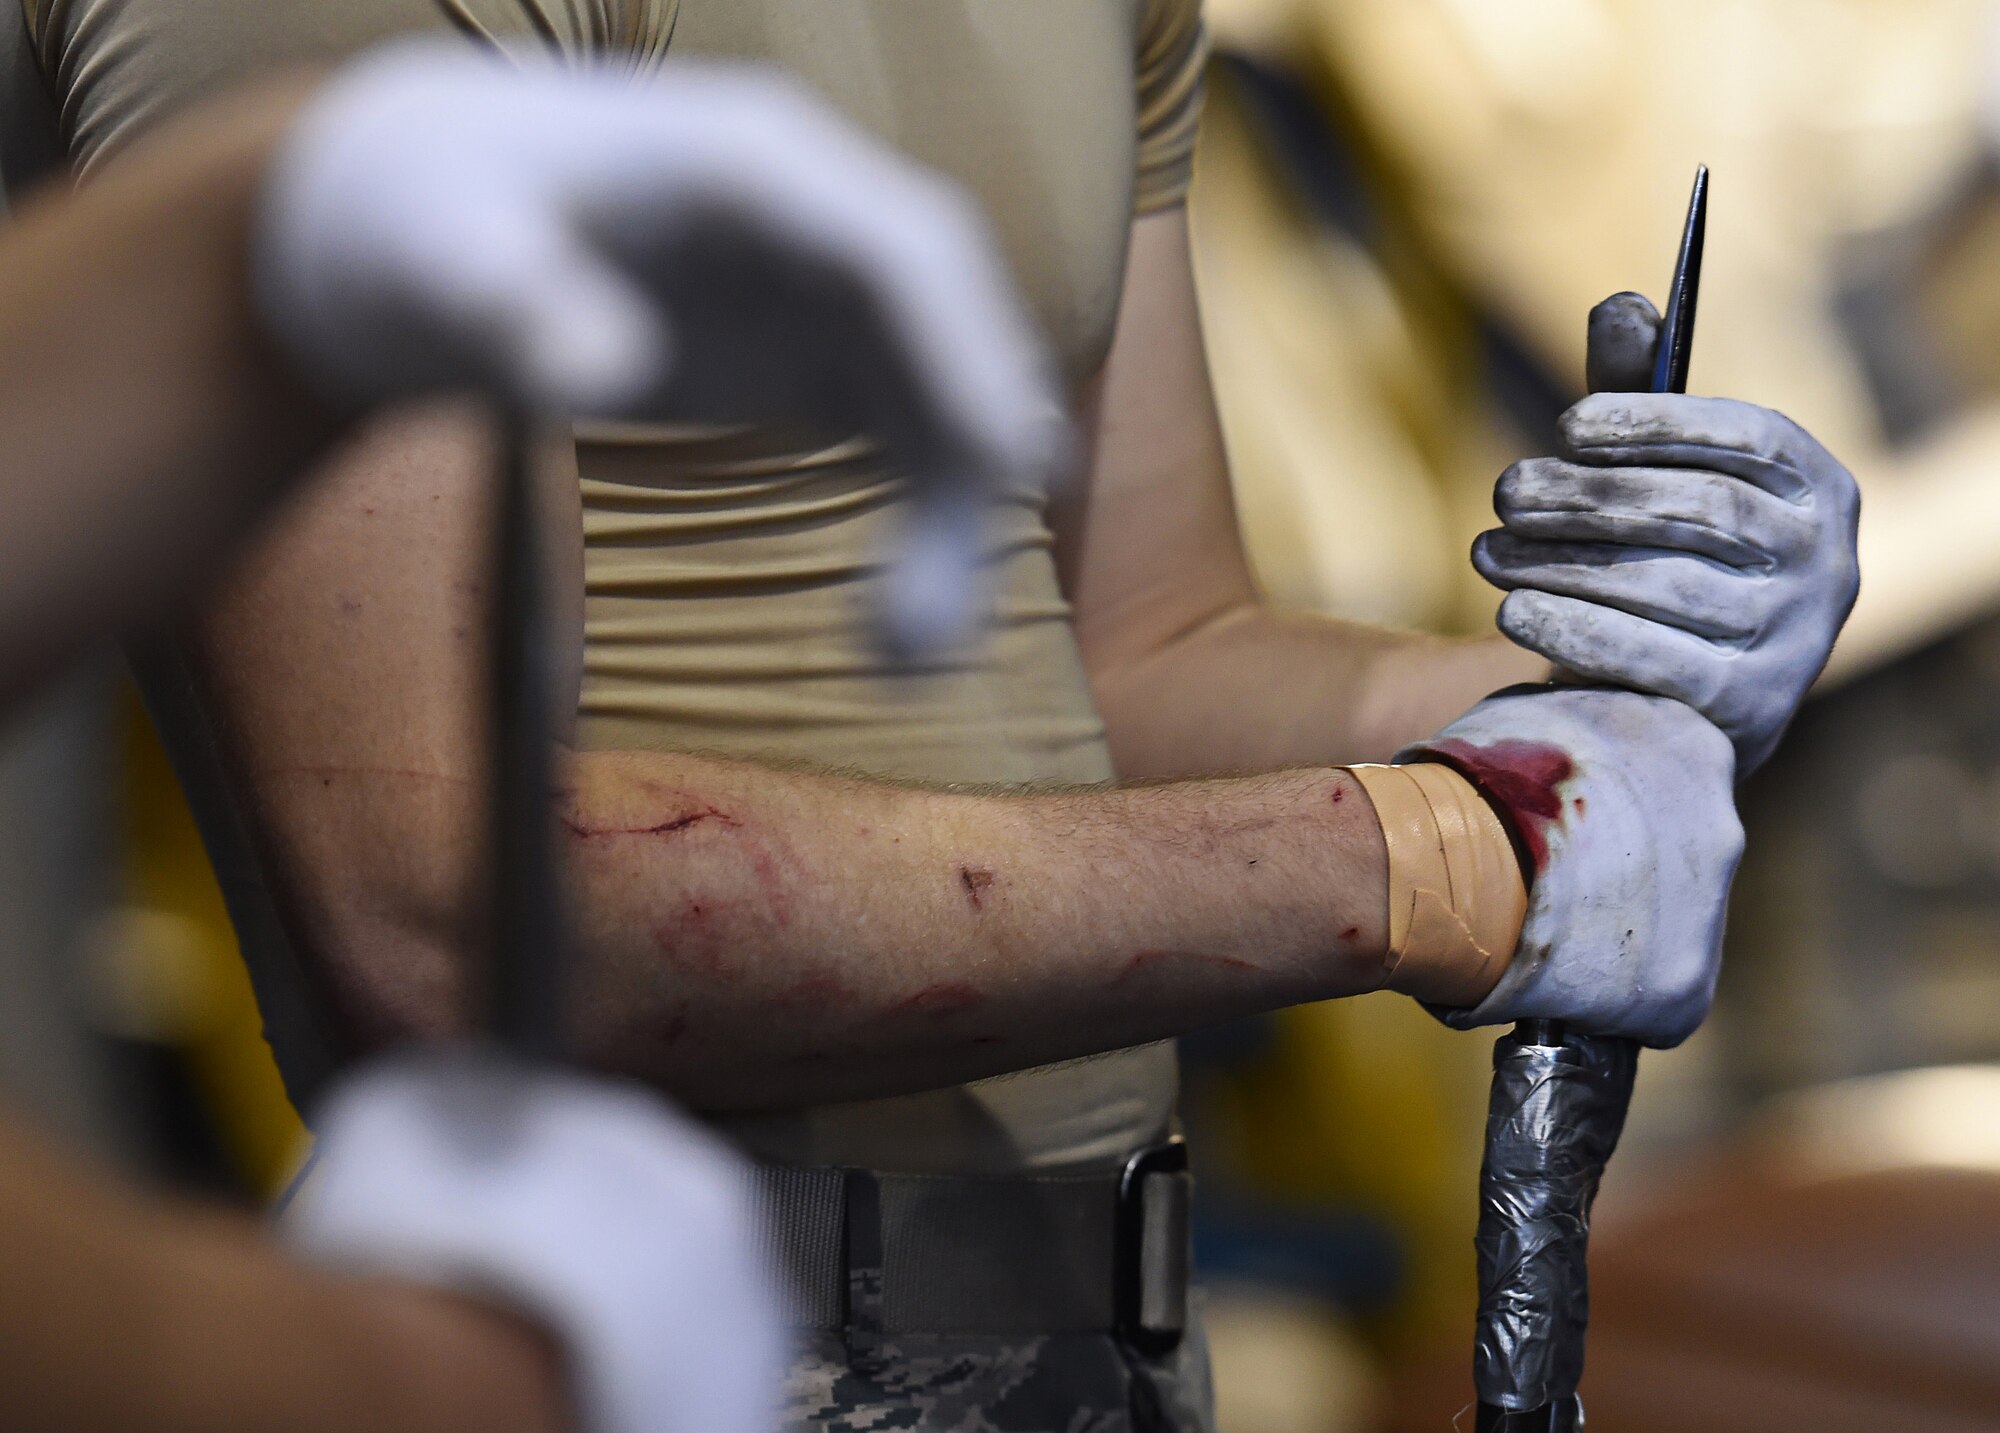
x=867, y=1252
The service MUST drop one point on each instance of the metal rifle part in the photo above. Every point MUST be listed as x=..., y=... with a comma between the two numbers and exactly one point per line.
x=1556, y=1112
x=526, y=947
x=1676, y=349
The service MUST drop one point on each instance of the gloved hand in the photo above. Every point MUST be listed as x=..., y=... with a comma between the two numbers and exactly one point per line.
x=712, y=246
x=1697, y=548
x=589, y=1205
x=1624, y=805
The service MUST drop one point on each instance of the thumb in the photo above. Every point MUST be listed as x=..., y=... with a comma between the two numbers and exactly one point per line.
x=934, y=589
x=537, y=308
x=583, y=336
x=1624, y=332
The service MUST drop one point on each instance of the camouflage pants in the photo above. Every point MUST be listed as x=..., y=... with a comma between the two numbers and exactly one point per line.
x=1059, y=1383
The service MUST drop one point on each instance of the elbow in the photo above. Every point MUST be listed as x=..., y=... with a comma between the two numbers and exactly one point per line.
x=390, y=963
x=391, y=981
x=372, y=875
x=1141, y=687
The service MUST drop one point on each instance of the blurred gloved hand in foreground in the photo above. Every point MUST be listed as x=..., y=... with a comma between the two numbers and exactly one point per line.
x=586, y=1204
x=713, y=246
x=1625, y=807
x=1697, y=548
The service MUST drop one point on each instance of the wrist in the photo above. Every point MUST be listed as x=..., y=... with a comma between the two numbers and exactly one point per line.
x=1456, y=895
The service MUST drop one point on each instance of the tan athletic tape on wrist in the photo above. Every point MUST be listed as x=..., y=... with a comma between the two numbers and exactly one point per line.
x=1456, y=894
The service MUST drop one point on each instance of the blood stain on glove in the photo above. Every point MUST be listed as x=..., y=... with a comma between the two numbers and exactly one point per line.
x=1524, y=777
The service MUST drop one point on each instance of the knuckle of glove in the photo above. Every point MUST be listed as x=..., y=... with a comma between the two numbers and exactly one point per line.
x=1671, y=1031
x=1769, y=434
x=1508, y=490
x=1730, y=839
x=1670, y=1014
x=1524, y=620
x=1689, y=993
x=1535, y=620
x=1533, y=485
x=1496, y=554
x=1846, y=492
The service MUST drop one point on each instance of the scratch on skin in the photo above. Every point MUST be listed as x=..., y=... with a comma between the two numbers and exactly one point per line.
x=776, y=891
x=977, y=882
x=672, y=826
x=777, y=870
x=1524, y=777
x=1351, y=933
x=688, y=937
x=675, y=1026
x=1147, y=959
x=939, y=999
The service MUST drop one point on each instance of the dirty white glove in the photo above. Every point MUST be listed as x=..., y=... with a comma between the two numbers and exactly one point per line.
x=1624, y=805
x=712, y=245
x=1698, y=548
x=589, y=1205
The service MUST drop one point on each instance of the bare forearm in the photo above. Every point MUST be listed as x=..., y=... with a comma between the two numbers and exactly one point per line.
x=146, y=420
x=765, y=937
x=118, y=1313
x=756, y=937
x=1258, y=688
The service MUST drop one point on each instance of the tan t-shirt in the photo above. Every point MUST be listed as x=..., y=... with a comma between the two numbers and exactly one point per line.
x=726, y=572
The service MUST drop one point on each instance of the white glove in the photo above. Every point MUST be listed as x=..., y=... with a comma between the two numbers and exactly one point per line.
x=713, y=245
x=1697, y=548
x=590, y=1205
x=1624, y=805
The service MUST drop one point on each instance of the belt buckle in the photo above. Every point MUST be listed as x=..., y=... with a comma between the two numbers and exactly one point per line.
x=1152, y=1248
